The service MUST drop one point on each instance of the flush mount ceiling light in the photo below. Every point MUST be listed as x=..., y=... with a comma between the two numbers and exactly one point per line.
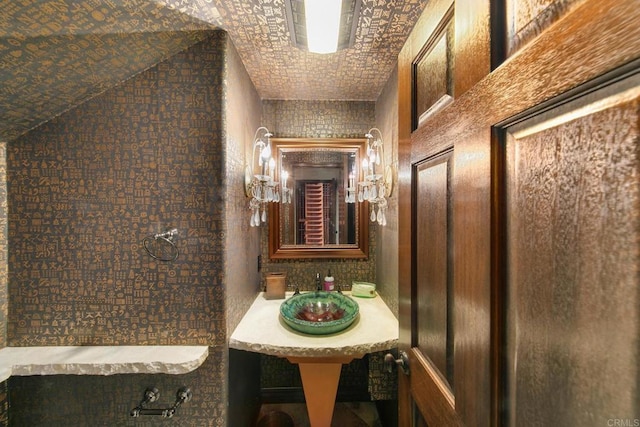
x=323, y=26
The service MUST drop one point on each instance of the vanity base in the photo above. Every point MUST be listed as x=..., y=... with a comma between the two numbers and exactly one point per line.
x=320, y=377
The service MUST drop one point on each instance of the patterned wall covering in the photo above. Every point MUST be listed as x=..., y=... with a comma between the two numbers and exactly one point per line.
x=56, y=54
x=105, y=401
x=242, y=115
x=327, y=119
x=4, y=302
x=280, y=71
x=88, y=186
x=32, y=18
x=145, y=156
x=4, y=403
x=387, y=247
x=320, y=119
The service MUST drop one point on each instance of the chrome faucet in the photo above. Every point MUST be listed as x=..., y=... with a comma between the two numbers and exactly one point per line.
x=318, y=284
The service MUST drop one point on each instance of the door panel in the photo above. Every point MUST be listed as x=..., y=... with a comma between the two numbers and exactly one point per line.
x=433, y=71
x=433, y=333
x=573, y=226
x=430, y=393
x=432, y=342
x=542, y=231
x=432, y=61
x=528, y=18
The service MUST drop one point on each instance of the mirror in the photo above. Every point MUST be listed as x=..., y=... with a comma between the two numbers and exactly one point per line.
x=318, y=223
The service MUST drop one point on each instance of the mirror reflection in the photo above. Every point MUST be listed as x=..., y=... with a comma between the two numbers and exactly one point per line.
x=318, y=214
x=318, y=222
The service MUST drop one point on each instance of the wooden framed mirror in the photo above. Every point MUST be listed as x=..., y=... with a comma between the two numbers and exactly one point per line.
x=318, y=223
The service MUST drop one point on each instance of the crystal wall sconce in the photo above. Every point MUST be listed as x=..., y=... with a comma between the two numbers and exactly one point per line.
x=377, y=180
x=260, y=184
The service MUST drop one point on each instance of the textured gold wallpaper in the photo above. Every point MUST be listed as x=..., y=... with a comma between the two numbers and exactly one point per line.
x=56, y=54
x=84, y=189
x=320, y=119
x=88, y=186
x=4, y=303
x=327, y=119
x=280, y=71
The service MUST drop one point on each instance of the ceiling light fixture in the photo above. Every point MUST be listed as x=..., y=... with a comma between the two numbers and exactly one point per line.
x=323, y=26
x=322, y=18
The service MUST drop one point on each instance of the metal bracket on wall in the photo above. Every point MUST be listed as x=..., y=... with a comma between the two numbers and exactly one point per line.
x=152, y=394
x=161, y=246
x=390, y=361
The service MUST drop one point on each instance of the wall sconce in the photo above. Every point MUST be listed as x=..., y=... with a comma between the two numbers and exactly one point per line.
x=377, y=182
x=259, y=182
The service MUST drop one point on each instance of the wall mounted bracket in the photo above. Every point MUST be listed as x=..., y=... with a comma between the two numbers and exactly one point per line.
x=152, y=394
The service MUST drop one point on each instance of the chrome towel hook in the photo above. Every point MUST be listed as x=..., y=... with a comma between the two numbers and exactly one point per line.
x=161, y=246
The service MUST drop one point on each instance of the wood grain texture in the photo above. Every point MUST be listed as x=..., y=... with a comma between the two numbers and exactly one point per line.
x=431, y=394
x=434, y=301
x=428, y=22
x=472, y=276
x=472, y=43
x=432, y=73
x=404, y=228
x=560, y=59
x=573, y=321
x=528, y=18
x=595, y=37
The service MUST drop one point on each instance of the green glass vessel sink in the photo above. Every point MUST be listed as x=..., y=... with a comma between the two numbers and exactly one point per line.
x=319, y=312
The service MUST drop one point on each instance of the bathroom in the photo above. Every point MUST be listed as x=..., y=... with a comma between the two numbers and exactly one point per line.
x=157, y=153
x=165, y=149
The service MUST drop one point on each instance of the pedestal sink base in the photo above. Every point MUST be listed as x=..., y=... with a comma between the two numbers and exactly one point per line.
x=320, y=377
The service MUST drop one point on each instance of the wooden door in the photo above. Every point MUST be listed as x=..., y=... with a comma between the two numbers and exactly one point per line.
x=519, y=217
x=314, y=214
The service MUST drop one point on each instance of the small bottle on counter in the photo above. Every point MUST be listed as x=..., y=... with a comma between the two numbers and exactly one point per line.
x=328, y=282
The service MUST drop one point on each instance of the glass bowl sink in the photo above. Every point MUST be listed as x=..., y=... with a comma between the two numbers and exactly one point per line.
x=319, y=312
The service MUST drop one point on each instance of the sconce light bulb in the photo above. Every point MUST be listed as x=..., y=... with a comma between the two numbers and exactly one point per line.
x=265, y=154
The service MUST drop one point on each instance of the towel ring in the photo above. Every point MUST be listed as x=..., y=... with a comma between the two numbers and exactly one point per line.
x=161, y=246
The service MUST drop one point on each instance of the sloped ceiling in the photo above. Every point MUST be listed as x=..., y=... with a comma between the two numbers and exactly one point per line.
x=56, y=54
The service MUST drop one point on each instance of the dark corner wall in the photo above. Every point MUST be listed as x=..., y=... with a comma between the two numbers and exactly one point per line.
x=387, y=248
x=4, y=301
x=162, y=150
x=243, y=114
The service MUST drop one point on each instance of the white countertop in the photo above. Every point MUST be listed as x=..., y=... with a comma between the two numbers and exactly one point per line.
x=100, y=360
x=262, y=331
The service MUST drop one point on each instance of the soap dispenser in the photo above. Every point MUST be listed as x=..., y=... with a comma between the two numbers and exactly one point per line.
x=328, y=282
